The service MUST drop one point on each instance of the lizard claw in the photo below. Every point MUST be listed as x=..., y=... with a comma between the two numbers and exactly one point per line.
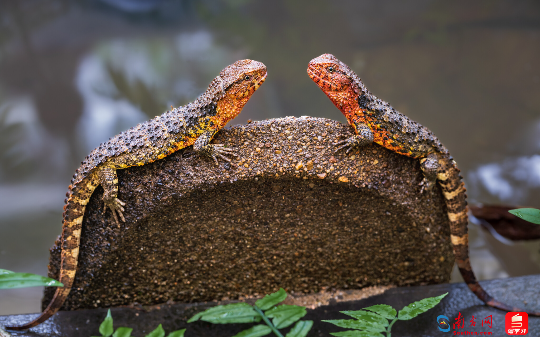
x=350, y=143
x=342, y=147
x=221, y=148
x=219, y=151
x=116, y=206
x=345, y=141
x=426, y=185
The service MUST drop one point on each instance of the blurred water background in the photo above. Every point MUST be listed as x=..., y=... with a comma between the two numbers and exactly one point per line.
x=74, y=73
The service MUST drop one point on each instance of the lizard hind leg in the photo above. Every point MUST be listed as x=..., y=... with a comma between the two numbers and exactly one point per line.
x=109, y=181
x=363, y=137
x=430, y=166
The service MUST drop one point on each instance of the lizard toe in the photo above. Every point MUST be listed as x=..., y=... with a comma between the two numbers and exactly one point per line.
x=121, y=214
x=116, y=206
x=225, y=150
x=342, y=147
x=426, y=185
x=223, y=157
x=115, y=217
x=218, y=151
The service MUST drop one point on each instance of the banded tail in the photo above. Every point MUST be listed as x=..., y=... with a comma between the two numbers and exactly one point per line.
x=454, y=195
x=77, y=198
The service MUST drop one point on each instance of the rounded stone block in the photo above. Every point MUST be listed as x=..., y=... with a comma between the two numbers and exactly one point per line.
x=288, y=213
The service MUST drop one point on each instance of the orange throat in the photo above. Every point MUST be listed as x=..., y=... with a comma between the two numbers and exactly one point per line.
x=346, y=101
x=227, y=109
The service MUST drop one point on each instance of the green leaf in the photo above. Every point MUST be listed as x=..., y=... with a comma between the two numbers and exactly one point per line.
x=158, y=332
x=285, y=315
x=256, y=331
x=106, y=327
x=527, y=214
x=122, y=332
x=417, y=308
x=300, y=329
x=197, y=316
x=356, y=333
x=229, y=313
x=269, y=301
x=177, y=333
x=358, y=325
x=11, y=280
x=384, y=310
x=367, y=316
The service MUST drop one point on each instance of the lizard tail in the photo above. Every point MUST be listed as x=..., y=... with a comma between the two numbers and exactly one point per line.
x=454, y=194
x=77, y=198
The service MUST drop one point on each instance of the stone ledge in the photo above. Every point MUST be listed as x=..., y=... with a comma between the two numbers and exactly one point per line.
x=291, y=214
x=174, y=316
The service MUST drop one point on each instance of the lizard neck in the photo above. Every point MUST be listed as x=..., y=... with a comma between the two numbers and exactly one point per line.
x=227, y=108
x=347, y=102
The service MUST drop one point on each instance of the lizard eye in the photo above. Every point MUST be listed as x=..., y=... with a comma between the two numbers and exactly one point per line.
x=247, y=78
x=330, y=69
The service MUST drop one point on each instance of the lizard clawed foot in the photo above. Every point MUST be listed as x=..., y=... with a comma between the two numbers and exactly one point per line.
x=426, y=185
x=116, y=206
x=429, y=166
x=220, y=151
x=350, y=143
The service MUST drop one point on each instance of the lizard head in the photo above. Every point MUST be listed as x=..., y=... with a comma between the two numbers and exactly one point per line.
x=242, y=78
x=233, y=88
x=335, y=78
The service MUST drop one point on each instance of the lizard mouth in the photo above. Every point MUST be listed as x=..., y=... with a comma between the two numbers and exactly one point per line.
x=261, y=81
x=321, y=79
x=313, y=73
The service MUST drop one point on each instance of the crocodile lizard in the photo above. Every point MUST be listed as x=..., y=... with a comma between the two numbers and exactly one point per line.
x=192, y=124
x=374, y=120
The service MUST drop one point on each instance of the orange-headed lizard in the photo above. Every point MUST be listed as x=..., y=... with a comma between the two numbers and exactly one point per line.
x=374, y=120
x=192, y=124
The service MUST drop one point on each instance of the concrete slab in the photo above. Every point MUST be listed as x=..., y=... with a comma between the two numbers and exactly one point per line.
x=174, y=316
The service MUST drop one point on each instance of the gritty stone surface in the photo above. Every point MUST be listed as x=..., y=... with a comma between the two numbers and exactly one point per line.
x=290, y=213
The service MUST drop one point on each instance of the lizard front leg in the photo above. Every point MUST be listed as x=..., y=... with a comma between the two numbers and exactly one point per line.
x=364, y=136
x=430, y=166
x=202, y=145
x=109, y=181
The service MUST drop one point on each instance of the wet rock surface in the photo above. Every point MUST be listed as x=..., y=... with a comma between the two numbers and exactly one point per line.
x=519, y=291
x=290, y=213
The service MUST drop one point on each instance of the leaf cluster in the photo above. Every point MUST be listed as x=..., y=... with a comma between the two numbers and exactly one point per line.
x=106, y=329
x=372, y=321
x=264, y=309
x=11, y=280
